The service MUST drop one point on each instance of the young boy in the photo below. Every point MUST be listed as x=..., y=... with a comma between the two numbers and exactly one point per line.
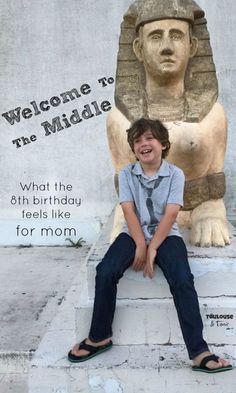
x=151, y=195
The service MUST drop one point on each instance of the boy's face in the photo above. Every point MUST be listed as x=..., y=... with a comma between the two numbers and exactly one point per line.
x=147, y=149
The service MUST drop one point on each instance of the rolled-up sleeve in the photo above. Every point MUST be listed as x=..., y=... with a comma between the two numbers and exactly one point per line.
x=125, y=193
x=176, y=194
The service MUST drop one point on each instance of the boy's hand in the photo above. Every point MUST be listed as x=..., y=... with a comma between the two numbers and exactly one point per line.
x=140, y=258
x=149, y=266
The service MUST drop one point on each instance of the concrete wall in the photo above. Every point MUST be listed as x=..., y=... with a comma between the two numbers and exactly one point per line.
x=48, y=48
x=222, y=28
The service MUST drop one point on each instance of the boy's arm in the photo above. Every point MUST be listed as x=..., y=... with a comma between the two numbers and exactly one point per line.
x=159, y=236
x=174, y=202
x=137, y=235
x=165, y=225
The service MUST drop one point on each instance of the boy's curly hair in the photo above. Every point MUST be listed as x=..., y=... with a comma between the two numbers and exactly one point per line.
x=157, y=128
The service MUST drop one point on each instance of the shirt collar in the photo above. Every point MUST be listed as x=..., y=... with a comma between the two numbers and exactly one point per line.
x=163, y=171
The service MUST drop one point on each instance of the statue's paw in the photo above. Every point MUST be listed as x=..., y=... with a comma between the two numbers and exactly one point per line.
x=210, y=232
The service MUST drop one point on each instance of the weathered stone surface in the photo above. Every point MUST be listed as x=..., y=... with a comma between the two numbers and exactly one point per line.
x=155, y=322
x=212, y=269
x=203, y=189
x=128, y=380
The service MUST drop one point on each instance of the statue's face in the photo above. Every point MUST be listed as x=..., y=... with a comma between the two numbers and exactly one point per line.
x=165, y=48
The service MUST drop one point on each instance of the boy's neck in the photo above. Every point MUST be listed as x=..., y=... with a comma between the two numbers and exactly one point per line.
x=150, y=169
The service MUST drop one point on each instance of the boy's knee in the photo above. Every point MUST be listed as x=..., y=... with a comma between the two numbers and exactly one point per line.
x=105, y=272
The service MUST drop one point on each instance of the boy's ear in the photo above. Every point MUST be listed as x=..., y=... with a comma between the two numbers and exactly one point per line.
x=137, y=48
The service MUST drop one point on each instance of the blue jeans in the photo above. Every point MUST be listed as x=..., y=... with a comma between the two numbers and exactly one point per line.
x=173, y=261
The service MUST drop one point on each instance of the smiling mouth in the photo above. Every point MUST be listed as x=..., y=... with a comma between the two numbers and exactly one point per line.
x=146, y=151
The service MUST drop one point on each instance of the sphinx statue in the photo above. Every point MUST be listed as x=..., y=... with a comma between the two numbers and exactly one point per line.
x=165, y=70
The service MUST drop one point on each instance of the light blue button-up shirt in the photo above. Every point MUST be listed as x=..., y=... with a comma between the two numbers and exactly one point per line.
x=150, y=195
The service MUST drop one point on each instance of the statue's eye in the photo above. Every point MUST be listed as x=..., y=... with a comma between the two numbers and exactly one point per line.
x=156, y=36
x=176, y=36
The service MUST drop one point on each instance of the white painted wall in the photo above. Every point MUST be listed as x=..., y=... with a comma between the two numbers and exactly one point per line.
x=47, y=48
x=220, y=15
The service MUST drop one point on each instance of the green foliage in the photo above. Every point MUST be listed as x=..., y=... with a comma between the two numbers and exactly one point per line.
x=76, y=244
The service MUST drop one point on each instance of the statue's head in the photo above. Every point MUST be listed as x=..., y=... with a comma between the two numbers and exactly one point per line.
x=169, y=29
x=165, y=47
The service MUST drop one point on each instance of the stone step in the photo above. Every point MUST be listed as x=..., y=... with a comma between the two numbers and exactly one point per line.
x=142, y=344
x=213, y=277
x=154, y=365
x=130, y=369
x=119, y=379
x=214, y=271
x=15, y=362
x=126, y=368
x=155, y=322
x=152, y=356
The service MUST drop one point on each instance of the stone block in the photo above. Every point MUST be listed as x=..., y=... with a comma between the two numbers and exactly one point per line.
x=214, y=270
x=213, y=277
x=155, y=322
x=128, y=380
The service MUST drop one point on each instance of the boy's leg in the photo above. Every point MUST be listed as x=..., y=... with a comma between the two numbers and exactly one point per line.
x=172, y=259
x=118, y=258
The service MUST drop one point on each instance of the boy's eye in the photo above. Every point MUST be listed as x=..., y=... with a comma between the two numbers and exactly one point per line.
x=149, y=137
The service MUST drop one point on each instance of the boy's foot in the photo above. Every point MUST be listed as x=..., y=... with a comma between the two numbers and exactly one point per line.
x=209, y=363
x=88, y=349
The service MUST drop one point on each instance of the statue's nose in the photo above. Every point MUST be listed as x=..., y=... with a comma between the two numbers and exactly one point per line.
x=166, y=51
x=166, y=46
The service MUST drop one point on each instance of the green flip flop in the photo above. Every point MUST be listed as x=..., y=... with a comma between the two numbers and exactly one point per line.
x=204, y=369
x=93, y=351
